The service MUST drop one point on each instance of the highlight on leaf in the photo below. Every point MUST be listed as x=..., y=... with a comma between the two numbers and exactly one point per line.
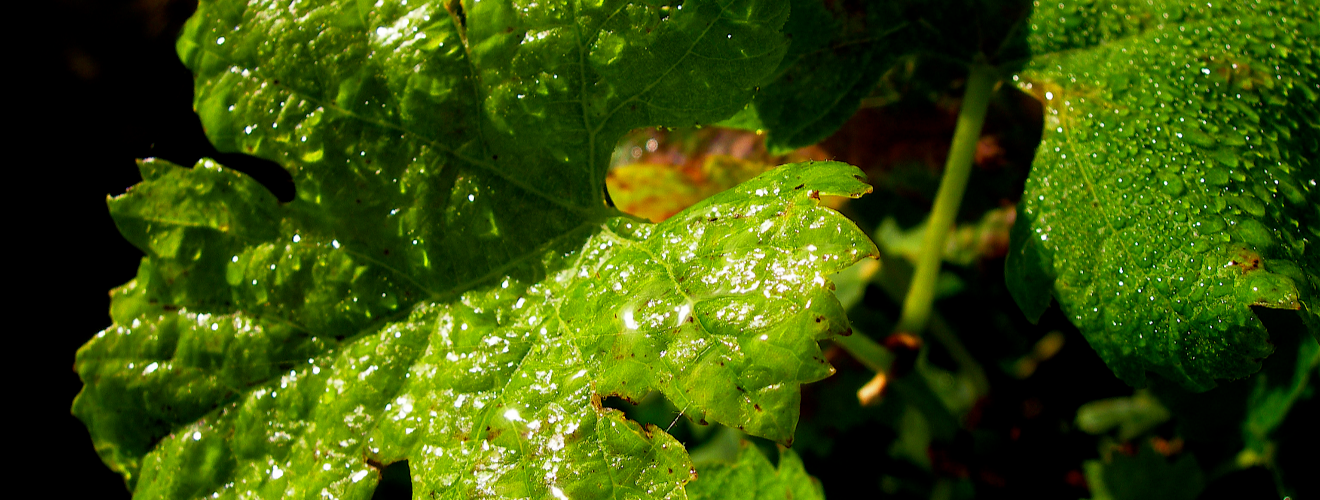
x=448, y=286
x=719, y=308
x=464, y=297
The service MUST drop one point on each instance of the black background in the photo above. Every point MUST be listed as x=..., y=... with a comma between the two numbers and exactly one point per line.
x=105, y=88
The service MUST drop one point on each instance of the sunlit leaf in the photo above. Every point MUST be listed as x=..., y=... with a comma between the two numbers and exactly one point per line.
x=448, y=286
x=495, y=392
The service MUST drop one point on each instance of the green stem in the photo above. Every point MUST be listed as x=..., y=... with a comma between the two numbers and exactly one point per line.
x=866, y=351
x=958, y=168
x=895, y=278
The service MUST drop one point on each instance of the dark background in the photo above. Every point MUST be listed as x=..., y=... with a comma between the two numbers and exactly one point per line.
x=108, y=88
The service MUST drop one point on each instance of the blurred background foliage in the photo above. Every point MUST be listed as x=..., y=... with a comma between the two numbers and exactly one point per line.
x=995, y=405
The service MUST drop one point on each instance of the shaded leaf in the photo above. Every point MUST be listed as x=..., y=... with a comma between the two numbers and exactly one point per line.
x=752, y=477
x=1277, y=390
x=835, y=59
x=1146, y=475
x=837, y=54
x=1132, y=416
x=1174, y=187
x=840, y=50
x=965, y=245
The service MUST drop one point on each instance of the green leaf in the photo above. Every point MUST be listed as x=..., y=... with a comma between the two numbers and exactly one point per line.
x=837, y=55
x=752, y=477
x=1174, y=187
x=241, y=389
x=448, y=286
x=1278, y=388
x=1147, y=475
x=440, y=114
x=840, y=51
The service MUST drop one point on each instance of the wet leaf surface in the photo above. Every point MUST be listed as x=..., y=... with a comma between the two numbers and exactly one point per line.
x=1174, y=187
x=447, y=286
x=495, y=393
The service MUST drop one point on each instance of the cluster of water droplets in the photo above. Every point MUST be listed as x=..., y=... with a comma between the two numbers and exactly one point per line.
x=1166, y=187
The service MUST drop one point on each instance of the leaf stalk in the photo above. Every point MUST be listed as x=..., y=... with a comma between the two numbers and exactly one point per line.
x=920, y=296
x=866, y=351
x=957, y=170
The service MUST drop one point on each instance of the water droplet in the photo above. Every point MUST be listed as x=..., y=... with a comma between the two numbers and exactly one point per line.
x=1171, y=184
x=1254, y=233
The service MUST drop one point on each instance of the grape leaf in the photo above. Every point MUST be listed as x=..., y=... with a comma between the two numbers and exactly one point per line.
x=493, y=393
x=448, y=286
x=1174, y=187
x=461, y=107
x=836, y=56
x=840, y=51
x=753, y=478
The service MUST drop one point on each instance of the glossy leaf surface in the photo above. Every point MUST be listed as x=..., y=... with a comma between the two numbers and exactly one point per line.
x=494, y=393
x=1175, y=185
x=475, y=116
x=448, y=286
x=752, y=477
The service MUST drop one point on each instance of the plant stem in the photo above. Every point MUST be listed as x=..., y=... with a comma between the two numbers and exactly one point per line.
x=957, y=169
x=866, y=351
x=873, y=356
x=921, y=293
x=894, y=278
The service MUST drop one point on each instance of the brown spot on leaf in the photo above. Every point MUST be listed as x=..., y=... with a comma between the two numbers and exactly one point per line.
x=1245, y=260
x=375, y=464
